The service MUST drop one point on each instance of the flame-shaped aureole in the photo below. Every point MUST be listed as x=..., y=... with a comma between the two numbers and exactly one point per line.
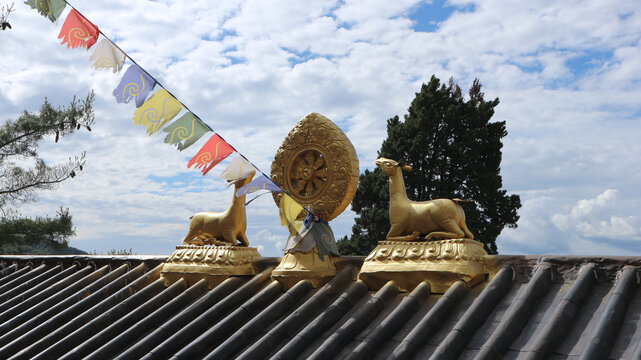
x=136, y=84
x=78, y=31
x=107, y=56
x=213, y=152
x=239, y=168
x=51, y=9
x=185, y=131
x=157, y=110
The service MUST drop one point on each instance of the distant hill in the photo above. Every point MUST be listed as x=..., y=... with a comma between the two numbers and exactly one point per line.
x=44, y=247
x=38, y=235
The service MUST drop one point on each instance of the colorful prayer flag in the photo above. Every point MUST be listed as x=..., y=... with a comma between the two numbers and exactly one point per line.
x=324, y=237
x=78, y=31
x=213, y=152
x=303, y=239
x=134, y=84
x=107, y=56
x=185, y=131
x=51, y=9
x=260, y=183
x=157, y=110
x=289, y=209
x=239, y=168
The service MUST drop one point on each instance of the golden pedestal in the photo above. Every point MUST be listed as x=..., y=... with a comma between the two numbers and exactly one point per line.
x=297, y=266
x=440, y=263
x=213, y=263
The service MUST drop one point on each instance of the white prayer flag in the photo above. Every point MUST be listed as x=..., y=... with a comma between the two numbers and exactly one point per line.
x=107, y=56
x=239, y=168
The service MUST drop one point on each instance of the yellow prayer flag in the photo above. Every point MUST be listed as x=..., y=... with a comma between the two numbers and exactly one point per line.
x=289, y=210
x=156, y=111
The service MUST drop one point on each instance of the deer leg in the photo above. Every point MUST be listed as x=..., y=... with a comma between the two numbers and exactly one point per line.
x=230, y=237
x=243, y=239
x=452, y=231
x=411, y=237
x=196, y=242
x=189, y=239
x=468, y=233
x=394, y=231
x=219, y=243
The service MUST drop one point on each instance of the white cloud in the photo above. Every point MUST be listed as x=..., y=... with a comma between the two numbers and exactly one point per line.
x=604, y=224
x=593, y=218
x=251, y=69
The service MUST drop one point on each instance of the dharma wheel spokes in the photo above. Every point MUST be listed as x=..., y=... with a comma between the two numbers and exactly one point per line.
x=308, y=173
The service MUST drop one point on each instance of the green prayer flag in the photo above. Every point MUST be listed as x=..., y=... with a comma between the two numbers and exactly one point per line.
x=50, y=9
x=185, y=131
x=324, y=237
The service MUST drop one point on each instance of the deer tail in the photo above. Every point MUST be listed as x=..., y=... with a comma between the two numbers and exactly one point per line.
x=460, y=200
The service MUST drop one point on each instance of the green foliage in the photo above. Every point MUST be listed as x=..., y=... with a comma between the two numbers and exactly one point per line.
x=455, y=152
x=37, y=236
x=22, y=170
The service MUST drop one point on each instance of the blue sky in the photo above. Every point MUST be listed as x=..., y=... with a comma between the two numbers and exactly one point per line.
x=426, y=16
x=567, y=75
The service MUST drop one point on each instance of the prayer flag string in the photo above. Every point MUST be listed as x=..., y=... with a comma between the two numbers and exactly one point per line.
x=137, y=83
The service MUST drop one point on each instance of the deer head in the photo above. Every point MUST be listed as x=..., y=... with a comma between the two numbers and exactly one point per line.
x=389, y=166
x=242, y=182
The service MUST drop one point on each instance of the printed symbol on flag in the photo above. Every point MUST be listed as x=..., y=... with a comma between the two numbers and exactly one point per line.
x=107, y=56
x=213, y=152
x=325, y=241
x=289, y=210
x=260, y=183
x=157, y=110
x=78, y=31
x=51, y=9
x=136, y=84
x=239, y=168
x=185, y=131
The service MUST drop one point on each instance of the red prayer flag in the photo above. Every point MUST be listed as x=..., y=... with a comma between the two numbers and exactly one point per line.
x=78, y=31
x=213, y=152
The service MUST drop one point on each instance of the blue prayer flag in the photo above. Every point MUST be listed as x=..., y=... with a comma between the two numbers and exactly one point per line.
x=260, y=183
x=134, y=84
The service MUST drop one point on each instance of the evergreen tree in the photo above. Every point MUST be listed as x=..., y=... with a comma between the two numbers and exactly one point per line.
x=455, y=152
x=23, y=172
x=37, y=236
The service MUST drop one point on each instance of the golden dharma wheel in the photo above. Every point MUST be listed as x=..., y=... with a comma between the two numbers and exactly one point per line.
x=317, y=165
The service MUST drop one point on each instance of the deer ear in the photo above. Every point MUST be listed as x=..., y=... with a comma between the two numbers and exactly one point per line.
x=404, y=166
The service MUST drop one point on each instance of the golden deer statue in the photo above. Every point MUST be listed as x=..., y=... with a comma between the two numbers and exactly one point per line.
x=439, y=218
x=225, y=228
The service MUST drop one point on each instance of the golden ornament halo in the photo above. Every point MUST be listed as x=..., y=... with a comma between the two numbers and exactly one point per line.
x=317, y=165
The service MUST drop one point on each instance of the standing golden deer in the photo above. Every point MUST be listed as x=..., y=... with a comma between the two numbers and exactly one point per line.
x=439, y=218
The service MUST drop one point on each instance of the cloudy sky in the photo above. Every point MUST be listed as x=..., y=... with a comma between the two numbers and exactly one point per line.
x=567, y=74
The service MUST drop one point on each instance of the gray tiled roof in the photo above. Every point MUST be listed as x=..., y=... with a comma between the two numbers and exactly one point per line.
x=532, y=307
